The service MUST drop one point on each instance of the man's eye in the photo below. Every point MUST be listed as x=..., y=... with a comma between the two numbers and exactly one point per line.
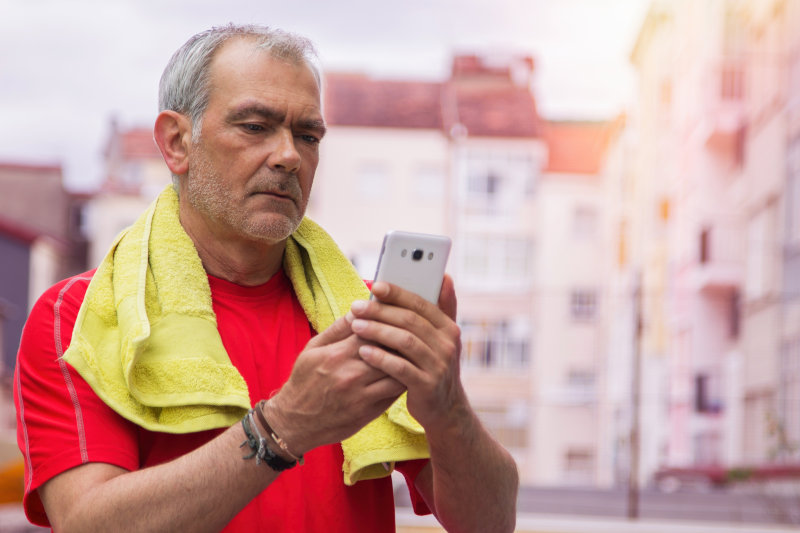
x=310, y=139
x=255, y=128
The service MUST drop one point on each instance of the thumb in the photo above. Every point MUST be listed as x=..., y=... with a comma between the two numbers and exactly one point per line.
x=336, y=332
x=447, y=297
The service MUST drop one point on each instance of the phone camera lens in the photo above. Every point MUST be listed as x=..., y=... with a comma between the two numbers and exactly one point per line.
x=417, y=255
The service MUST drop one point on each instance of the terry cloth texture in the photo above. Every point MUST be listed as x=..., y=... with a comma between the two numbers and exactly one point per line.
x=146, y=337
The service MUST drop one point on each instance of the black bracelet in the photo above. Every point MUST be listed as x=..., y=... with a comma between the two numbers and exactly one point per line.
x=259, y=448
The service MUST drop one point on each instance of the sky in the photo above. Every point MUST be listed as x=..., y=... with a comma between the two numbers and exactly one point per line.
x=68, y=66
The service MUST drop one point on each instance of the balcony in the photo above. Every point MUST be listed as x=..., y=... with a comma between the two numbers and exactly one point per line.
x=723, y=123
x=720, y=265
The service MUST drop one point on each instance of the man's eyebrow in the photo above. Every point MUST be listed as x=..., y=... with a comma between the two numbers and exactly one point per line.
x=317, y=125
x=273, y=115
x=250, y=110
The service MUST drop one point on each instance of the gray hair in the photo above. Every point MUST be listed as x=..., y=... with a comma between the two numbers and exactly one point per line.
x=184, y=85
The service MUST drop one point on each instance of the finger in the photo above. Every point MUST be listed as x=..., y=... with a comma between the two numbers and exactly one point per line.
x=405, y=321
x=398, y=368
x=401, y=340
x=386, y=387
x=337, y=331
x=394, y=295
x=447, y=298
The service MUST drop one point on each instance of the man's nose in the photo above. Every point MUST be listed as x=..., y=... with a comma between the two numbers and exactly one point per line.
x=284, y=156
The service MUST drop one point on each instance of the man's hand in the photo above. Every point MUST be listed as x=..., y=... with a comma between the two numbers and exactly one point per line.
x=471, y=482
x=418, y=344
x=331, y=393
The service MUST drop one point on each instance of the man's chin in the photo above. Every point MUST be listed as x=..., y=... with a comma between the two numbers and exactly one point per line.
x=273, y=230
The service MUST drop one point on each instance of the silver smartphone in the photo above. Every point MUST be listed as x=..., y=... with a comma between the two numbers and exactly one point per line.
x=414, y=261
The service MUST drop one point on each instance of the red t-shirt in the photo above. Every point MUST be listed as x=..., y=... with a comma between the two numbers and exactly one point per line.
x=62, y=423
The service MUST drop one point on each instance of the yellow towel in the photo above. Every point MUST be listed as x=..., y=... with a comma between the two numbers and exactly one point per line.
x=146, y=337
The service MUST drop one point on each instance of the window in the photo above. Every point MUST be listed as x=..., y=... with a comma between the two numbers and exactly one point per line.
x=581, y=379
x=707, y=394
x=793, y=195
x=584, y=222
x=789, y=400
x=583, y=304
x=579, y=466
x=757, y=408
x=732, y=81
x=484, y=184
x=705, y=244
x=498, y=180
x=735, y=314
x=762, y=253
x=429, y=183
x=507, y=424
x=581, y=385
x=503, y=344
x=489, y=262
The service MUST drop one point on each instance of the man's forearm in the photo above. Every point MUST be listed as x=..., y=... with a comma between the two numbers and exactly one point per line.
x=200, y=491
x=474, y=479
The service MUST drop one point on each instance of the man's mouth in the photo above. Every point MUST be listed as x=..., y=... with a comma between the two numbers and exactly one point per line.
x=275, y=194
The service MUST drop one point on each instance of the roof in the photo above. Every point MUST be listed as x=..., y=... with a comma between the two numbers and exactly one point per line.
x=496, y=111
x=138, y=143
x=578, y=147
x=356, y=100
x=30, y=167
x=489, y=99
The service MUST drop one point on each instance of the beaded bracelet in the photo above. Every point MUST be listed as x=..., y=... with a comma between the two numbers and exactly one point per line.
x=259, y=448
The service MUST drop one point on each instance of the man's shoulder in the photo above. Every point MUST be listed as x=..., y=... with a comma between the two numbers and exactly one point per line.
x=69, y=290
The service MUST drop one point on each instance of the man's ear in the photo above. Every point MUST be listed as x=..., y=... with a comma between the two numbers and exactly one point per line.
x=173, y=135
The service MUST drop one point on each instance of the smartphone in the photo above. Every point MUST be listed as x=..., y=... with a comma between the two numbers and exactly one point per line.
x=414, y=261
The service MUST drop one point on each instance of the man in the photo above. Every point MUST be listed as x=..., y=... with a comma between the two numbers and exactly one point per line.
x=239, y=128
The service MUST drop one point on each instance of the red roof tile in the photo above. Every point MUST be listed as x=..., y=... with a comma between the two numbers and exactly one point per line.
x=496, y=111
x=356, y=100
x=484, y=98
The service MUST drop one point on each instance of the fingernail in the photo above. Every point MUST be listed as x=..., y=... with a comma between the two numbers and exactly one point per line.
x=358, y=305
x=365, y=350
x=380, y=286
x=349, y=317
x=358, y=324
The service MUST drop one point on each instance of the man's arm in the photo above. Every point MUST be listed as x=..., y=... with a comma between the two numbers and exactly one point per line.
x=471, y=482
x=204, y=489
x=200, y=491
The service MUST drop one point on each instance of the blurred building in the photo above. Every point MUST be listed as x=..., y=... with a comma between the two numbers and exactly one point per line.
x=521, y=197
x=135, y=175
x=41, y=242
x=712, y=225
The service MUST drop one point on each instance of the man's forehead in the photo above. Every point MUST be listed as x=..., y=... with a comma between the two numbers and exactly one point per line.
x=242, y=71
x=247, y=48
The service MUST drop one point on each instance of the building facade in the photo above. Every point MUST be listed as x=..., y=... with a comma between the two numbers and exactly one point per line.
x=716, y=209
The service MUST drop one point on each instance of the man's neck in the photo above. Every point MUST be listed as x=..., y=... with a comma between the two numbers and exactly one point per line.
x=244, y=262
x=247, y=265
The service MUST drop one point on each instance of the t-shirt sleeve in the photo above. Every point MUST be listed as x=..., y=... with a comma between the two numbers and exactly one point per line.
x=410, y=470
x=61, y=423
